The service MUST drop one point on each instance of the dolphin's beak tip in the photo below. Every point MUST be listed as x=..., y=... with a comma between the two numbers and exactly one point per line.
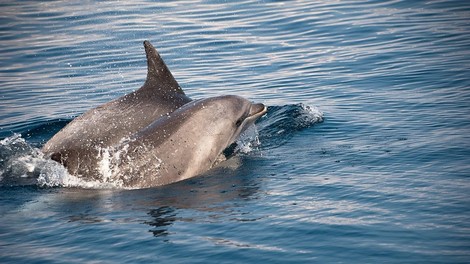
x=258, y=109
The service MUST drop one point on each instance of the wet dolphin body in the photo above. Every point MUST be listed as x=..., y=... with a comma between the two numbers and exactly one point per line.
x=77, y=146
x=184, y=144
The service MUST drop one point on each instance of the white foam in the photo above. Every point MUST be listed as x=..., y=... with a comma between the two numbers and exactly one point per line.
x=311, y=114
x=18, y=159
x=53, y=174
x=108, y=159
x=117, y=168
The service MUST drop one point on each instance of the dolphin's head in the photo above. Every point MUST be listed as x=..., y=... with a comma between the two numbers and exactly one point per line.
x=250, y=112
x=231, y=115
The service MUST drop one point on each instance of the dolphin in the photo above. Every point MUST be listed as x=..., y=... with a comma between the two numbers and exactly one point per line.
x=186, y=143
x=78, y=144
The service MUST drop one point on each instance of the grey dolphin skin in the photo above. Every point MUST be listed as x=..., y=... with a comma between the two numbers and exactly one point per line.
x=183, y=144
x=77, y=146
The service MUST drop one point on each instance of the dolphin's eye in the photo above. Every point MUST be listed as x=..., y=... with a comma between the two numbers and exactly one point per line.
x=239, y=121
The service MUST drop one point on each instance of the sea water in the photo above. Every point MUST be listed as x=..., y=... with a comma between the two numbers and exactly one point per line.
x=362, y=157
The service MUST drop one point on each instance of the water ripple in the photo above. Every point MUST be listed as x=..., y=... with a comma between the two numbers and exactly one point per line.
x=387, y=168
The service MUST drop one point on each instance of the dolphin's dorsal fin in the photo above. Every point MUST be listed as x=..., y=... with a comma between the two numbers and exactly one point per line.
x=159, y=76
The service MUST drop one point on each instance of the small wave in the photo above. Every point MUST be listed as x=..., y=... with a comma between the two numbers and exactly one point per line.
x=282, y=122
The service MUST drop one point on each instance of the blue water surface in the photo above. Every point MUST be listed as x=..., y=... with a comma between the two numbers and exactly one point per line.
x=385, y=178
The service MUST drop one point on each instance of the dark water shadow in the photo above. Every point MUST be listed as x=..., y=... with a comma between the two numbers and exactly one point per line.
x=38, y=134
x=161, y=218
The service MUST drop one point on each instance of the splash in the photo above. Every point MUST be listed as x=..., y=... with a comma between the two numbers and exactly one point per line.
x=19, y=161
x=117, y=168
x=248, y=141
x=309, y=115
x=21, y=164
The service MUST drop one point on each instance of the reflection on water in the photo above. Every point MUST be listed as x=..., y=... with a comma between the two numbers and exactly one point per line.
x=85, y=219
x=161, y=218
